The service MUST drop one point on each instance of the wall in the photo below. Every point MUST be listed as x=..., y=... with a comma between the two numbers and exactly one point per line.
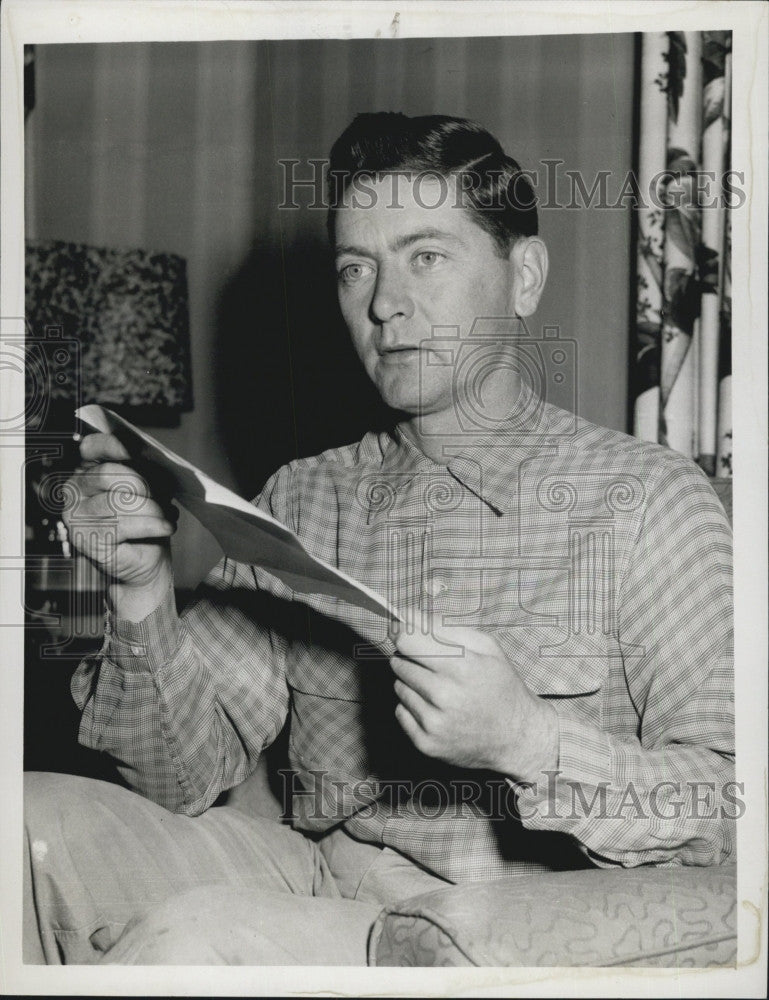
x=175, y=147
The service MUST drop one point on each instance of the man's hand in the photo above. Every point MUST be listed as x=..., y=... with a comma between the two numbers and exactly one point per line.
x=470, y=708
x=118, y=526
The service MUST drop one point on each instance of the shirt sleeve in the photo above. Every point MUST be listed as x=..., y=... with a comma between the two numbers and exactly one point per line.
x=665, y=795
x=184, y=704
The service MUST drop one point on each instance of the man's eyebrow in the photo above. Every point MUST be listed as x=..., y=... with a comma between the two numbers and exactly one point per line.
x=348, y=248
x=429, y=233
x=401, y=242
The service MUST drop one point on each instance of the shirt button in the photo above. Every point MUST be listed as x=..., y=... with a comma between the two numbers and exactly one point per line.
x=435, y=587
x=137, y=650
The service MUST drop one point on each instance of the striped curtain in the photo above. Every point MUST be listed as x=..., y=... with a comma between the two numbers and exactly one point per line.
x=682, y=339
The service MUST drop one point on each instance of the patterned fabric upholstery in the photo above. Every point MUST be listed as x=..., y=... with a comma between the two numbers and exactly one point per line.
x=668, y=917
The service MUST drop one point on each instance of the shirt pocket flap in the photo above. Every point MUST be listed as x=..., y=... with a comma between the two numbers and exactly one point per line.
x=555, y=663
x=336, y=662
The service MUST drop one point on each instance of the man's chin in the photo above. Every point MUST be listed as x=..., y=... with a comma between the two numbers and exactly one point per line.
x=403, y=410
x=414, y=400
x=396, y=398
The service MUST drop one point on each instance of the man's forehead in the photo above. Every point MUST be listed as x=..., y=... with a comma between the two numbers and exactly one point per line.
x=394, y=204
x=392, y=189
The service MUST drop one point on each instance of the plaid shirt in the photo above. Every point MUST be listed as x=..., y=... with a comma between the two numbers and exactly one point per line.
x=602, y=565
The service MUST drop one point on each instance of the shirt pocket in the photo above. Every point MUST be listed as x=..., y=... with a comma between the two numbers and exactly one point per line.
x=571, y=670
x=334, y=661
x=336, y=680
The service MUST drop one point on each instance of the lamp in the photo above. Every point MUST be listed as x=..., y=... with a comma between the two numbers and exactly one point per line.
x=118, y=323
x=104, y=326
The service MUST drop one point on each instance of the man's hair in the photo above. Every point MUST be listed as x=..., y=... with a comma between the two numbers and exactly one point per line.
x=496, y=192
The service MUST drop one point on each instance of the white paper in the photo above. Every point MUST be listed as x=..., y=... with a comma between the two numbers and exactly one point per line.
x=244, y=532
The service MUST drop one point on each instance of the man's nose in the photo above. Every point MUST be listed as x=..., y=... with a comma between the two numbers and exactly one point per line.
x=391, y=296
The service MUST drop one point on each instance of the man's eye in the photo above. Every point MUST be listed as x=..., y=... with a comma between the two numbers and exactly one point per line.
x=429, y=258
x=351, y=273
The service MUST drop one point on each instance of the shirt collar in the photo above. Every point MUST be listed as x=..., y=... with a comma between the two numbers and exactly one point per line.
x=486, y=463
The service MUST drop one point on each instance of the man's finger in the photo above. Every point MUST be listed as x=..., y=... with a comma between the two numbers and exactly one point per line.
x=409, y=725
x=415, y=621
x=102, y=448
x=110, y=509
x=138, y=527
x=428, y=651
x=106, y=531
x=442, y=643
x=418, y=678
x=110, y=477
x=422, y=710
x=473, y=639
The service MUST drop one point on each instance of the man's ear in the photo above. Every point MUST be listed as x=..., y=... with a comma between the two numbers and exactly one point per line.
x=529, y=262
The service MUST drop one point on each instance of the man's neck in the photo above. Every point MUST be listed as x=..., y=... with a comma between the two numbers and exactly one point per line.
x=441, y=435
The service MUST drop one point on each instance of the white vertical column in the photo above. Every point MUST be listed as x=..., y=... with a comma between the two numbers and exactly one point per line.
x=651, y=235
x=678, y=373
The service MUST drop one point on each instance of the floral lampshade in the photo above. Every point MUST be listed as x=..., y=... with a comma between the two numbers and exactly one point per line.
x=111, y=327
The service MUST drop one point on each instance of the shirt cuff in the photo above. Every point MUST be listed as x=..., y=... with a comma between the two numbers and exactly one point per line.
x=145, y=646
x=584, y=758
x=584, y=752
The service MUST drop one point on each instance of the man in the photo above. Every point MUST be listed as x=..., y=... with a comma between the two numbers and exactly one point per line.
x=560, y=697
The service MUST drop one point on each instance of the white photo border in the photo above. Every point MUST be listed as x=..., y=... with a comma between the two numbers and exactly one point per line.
x=57, y=21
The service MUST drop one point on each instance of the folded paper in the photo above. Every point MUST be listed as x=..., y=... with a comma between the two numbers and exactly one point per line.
x=244, y=532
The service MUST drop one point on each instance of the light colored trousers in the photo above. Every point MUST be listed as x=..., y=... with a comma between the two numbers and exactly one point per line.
x=111, y=877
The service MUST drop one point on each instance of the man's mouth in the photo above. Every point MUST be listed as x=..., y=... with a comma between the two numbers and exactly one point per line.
x=399, y=357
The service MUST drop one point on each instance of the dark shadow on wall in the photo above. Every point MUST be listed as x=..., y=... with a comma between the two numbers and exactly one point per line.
x=288, y=382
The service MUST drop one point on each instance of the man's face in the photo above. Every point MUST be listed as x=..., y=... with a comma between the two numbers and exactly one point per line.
x=401, y=272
